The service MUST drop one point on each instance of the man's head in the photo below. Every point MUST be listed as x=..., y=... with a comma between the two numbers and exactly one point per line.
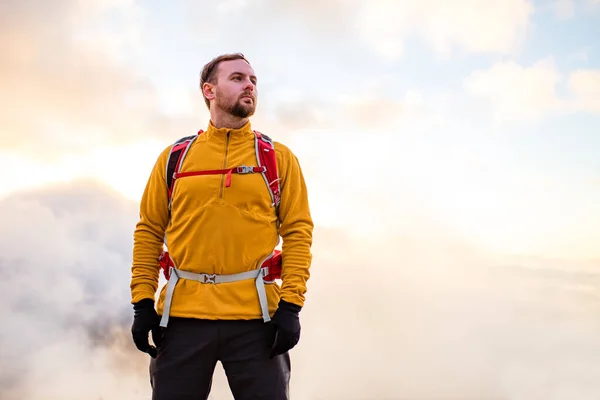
x=228, y=83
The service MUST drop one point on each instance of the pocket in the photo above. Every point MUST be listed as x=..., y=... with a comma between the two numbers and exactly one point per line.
x=270, y=333
x=159, y=337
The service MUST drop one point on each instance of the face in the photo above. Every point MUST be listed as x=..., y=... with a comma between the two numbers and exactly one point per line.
x=235, y=88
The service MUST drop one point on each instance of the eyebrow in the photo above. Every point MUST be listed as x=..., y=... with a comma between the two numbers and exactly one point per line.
x=241, y=73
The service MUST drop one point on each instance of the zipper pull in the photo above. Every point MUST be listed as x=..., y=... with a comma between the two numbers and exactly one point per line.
x=228, y=180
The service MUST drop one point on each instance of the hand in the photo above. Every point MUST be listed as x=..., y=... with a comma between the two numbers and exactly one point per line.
x=145, y=319
x=286, y=321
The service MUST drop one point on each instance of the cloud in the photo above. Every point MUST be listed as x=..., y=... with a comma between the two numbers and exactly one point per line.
x=384, y=318
x=376, y=103
x=367, y=110
x=477, y=26
x=584, y=86
x=399, y=181
x=65, y=266
x=416, y=312
x=517, y=92
x=359, y=110
x=66, y=79
x=384, y=26
x=530, y=93
x=83, y=81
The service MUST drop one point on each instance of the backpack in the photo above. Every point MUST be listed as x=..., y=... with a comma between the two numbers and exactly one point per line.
x=266, y=165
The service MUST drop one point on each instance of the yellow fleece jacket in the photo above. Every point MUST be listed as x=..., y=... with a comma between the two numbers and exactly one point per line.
x=223, y=230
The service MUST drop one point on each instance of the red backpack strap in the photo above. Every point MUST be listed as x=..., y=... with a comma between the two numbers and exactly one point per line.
x=176, y=156
x=174, y=161
x=265, y=156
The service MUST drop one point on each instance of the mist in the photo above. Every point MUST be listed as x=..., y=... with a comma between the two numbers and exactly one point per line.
x=64, y=266
x=404, y=318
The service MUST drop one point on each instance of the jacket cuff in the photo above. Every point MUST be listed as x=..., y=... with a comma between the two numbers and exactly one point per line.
x=295, y=308
x=143, y=304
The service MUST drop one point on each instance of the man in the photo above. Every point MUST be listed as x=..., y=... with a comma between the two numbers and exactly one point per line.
x=219, y=227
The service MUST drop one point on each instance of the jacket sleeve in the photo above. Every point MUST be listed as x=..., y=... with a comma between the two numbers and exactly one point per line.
x=148, y=237
x=296, y=230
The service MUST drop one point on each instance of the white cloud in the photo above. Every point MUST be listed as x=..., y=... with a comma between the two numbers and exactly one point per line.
x=584, y=86
x=440, y=316
x=65, y=264
x=414, y=309
x=529, y=93
x=479, y=26
x=125, y=168
x=517, y=92
x=401, y=182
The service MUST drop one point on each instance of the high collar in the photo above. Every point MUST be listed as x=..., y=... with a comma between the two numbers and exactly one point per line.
x=243, y=133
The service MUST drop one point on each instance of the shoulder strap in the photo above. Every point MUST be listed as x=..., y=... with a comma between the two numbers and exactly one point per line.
x=176, y=156
x=265, y=156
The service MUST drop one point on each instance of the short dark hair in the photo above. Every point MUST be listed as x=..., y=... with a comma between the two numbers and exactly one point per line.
x=209, y=71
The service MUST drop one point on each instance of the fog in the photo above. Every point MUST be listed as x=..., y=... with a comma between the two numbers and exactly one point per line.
x=406, y=318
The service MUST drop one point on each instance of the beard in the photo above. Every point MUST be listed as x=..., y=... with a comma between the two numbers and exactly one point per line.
x=241, y=110
x=238, y=108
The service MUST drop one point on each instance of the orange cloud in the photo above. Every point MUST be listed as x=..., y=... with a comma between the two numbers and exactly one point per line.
x=63, y=87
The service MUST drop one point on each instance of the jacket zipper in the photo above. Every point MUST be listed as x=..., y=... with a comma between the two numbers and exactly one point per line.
x=224, y=166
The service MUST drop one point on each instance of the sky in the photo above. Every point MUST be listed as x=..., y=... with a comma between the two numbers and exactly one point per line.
x=452, y=145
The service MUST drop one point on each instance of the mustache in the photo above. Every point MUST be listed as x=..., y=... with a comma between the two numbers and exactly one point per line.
x=247, y=94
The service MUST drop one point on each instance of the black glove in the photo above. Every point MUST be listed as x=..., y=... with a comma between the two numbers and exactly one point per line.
x=286, y=321
x=145, y=319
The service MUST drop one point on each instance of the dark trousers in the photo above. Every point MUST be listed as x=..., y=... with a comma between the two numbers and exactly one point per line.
x=184, y=367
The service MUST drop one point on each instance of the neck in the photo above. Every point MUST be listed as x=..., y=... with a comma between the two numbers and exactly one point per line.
x=223, y=120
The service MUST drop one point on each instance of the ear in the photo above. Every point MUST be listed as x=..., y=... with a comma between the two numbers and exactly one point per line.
x=209, y=90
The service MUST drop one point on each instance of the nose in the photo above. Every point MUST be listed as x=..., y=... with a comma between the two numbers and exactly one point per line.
x=249, y=85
